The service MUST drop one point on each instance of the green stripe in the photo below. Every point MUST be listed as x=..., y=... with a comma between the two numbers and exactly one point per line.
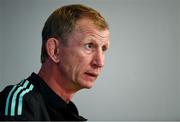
x=8, y=98
x=21, y=99
x=7, y=101
x=14, y=97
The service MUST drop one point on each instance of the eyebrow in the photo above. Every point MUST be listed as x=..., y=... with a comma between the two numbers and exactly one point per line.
x=101, y=43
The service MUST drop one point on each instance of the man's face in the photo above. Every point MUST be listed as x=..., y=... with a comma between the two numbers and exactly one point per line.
x=83, y=59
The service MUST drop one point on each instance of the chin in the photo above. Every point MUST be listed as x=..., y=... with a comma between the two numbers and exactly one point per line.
x=88, y=85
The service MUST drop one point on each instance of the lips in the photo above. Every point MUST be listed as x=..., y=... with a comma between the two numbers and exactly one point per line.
x=91, y=75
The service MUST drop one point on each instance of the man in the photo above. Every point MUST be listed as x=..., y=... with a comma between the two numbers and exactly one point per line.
x=74, y=41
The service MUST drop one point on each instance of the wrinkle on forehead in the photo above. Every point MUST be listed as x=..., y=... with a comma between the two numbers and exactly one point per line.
x=85, y=28
x=95, y=33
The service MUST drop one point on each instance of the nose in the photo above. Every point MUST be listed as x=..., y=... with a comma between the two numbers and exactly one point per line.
x=98, y=59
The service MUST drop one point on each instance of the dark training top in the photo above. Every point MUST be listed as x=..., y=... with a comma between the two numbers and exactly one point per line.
x=32, y=99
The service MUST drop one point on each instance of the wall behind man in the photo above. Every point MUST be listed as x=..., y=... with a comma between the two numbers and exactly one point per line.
x=1, y=39
x=178, y=33
x=140, y=80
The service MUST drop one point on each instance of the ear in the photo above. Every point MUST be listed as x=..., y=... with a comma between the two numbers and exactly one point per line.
x=52, y=47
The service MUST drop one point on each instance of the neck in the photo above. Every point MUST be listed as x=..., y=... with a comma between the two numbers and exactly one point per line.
x=55, y=82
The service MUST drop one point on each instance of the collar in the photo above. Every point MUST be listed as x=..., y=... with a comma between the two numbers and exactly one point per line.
x=50, y=97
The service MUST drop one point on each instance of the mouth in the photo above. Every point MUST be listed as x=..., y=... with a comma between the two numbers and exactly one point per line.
x=91, y=75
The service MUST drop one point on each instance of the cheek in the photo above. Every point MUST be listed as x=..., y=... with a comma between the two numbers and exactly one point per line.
x=81, y=64
x=84, y=59
x=72, y=60
x=76, y=60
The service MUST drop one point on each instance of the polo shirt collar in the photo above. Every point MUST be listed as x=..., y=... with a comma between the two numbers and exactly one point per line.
x=50, y=96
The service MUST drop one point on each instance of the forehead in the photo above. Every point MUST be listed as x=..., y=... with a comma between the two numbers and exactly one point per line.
x=86, y=27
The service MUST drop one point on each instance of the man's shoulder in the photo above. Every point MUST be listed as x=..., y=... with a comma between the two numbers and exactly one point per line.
x=17, y=100
x=25, y=87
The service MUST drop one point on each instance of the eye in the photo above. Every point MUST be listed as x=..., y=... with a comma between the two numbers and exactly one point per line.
x=89, y=46
x=104, y=48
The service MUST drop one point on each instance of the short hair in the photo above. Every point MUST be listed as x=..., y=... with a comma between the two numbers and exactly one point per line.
x=62, y=21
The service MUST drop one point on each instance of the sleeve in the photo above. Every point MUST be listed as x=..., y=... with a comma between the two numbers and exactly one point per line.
x=15, y=107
